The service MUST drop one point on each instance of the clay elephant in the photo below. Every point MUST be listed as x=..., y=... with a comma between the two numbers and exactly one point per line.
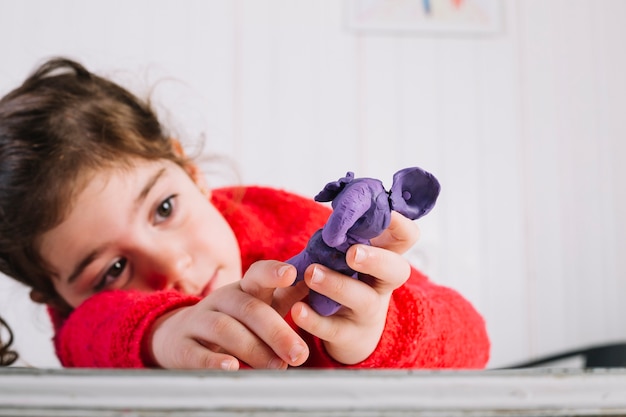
x=361, y=211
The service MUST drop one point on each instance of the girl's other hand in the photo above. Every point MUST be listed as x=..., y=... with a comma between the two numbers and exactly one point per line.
x=352, y=334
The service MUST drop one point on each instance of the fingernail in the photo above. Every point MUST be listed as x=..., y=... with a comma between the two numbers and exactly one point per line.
x=303, y=313
x=296, y=352
x=276, y=363
x=228, y=365
x=317, y=276
x=283, y=270
x=359, y=254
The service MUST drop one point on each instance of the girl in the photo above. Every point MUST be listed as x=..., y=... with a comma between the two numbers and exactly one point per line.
x=111, y=226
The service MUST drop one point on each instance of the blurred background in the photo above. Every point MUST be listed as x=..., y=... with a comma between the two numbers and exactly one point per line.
x=517, y=106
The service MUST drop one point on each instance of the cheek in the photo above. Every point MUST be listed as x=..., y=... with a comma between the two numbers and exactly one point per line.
x=225, y=242
x=222, y=242
x=213, y=235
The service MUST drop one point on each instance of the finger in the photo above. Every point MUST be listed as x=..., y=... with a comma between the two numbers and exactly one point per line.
x=347, y=291
x=389, y=268
x=224, y=334
x=332, y=330
x=400, y=236
x=196, y=356
x=271, y=281
x=284, y=298
x=325, y=328
x=269, y=326
x=263, y=277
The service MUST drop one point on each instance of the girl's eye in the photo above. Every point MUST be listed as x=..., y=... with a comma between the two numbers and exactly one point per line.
x=112, y=274
x=164, y=210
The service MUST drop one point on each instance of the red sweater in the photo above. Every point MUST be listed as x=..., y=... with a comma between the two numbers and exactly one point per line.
x=428, y=326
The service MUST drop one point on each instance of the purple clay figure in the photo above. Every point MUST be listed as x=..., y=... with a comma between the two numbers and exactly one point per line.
x=361, y=211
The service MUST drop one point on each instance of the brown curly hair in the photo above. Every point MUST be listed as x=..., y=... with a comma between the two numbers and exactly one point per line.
x=7, y=356
x=61, y=125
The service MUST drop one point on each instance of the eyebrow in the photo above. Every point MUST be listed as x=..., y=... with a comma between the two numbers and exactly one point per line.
x=149, y=185
x=94, y=253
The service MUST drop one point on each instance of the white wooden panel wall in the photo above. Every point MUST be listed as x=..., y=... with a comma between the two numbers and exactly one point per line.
x=572, y=60
x=524, y=128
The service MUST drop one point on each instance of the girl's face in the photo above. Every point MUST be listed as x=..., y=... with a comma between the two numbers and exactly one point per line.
x=145, y=228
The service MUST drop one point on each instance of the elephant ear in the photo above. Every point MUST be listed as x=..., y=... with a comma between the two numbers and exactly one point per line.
x=348, y=207
x=414, y=192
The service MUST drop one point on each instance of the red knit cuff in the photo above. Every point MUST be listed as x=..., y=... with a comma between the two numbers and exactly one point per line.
x=133, y=331
x=396, y=348
x=108, y=329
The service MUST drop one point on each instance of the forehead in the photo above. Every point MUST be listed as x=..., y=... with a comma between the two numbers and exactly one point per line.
x=123, y=172
x=93, y=179
x=117, y=183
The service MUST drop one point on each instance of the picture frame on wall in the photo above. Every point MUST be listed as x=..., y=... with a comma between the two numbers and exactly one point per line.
x=425, y=16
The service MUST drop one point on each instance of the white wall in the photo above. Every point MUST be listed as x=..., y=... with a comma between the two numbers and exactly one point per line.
x=524, y=128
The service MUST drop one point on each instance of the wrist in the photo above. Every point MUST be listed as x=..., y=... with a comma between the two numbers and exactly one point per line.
x=154, y=339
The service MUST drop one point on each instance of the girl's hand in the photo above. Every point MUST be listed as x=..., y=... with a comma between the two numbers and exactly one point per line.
x=234, y=323
x=352, y=334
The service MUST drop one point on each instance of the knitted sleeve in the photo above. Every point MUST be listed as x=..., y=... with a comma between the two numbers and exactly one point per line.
x=107, y=330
